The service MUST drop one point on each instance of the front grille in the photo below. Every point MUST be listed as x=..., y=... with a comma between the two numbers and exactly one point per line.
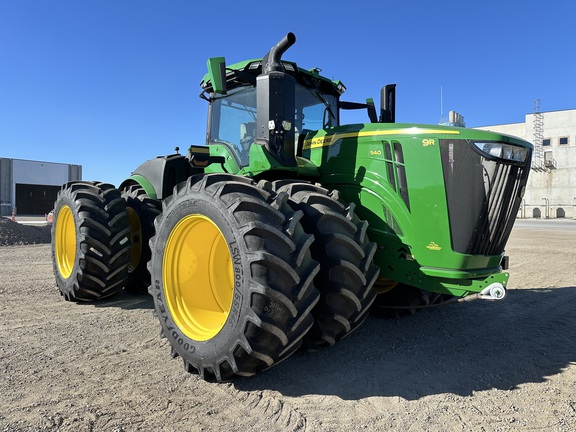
x=483, y=197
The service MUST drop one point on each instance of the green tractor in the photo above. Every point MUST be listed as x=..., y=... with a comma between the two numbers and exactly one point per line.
x=288, y=228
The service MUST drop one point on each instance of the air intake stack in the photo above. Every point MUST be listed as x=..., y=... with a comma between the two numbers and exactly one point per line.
x=276, y=93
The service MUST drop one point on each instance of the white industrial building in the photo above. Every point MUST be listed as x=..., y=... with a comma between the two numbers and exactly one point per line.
x=30, y=187
x=551, y=190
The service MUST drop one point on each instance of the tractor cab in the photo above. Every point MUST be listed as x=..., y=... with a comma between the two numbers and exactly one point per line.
x=233, y=120
x=269, y=102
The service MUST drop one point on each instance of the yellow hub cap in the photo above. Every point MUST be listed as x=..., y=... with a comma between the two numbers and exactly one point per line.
x=198, y=277
x=65, y=242
x=136, y=236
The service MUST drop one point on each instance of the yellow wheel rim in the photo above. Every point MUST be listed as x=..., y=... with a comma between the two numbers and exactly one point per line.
x=65, y=242
x=136, y=236
x=198, y=277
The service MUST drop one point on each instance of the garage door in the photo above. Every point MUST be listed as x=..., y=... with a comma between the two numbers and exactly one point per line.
x=35, y=199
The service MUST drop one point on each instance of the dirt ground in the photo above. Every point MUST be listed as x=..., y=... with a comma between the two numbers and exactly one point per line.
x=473, y=366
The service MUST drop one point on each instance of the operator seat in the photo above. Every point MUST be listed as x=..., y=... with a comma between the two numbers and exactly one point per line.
x=247, y=135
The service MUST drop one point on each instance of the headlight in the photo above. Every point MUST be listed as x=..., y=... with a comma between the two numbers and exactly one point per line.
x=503, y=151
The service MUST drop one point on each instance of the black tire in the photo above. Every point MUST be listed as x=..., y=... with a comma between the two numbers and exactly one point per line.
x=347, y=272
x=240, y=251
x=142, y=210
x=397, y=300
x=90, y=241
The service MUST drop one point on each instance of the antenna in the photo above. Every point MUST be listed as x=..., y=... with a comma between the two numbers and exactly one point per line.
x=441, y=104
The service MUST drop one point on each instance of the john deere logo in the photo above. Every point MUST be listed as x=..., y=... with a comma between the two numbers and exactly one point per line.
x=433, y=246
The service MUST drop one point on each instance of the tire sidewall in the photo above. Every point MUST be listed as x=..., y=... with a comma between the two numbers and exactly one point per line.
x=232, y=332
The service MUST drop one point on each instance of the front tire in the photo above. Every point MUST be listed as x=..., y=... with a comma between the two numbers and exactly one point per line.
x=231, y=276
x=90, y=241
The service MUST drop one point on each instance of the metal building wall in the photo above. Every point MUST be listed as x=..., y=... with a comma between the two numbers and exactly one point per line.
x=550, y=193
x=40, y=173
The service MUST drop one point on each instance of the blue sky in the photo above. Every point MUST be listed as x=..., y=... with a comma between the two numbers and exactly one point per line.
x=108, y=84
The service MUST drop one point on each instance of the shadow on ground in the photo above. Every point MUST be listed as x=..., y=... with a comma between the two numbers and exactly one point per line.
x=126, y=300
x=461, y=349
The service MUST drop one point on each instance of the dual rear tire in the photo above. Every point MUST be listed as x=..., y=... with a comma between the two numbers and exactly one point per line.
x=100, y=240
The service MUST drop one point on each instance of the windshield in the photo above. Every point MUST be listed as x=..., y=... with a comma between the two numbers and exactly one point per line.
x=233, y=117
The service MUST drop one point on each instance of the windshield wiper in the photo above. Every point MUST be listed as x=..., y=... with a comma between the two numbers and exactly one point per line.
x=316, y=92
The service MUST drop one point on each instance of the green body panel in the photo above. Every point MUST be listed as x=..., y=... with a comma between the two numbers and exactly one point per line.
x=261, y=161
x=230, y=164
x=414, y=243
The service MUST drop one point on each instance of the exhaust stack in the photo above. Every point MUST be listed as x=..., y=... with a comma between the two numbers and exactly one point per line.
x=275, y=102
x=271, y=61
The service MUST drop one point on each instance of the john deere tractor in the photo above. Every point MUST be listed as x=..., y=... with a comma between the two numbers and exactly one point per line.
x=287, y=228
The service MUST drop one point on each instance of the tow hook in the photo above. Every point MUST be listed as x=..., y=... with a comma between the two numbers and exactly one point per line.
x=494, y=291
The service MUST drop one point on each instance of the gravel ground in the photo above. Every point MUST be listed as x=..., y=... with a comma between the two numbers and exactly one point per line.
x=472, y=366
x=14, y=233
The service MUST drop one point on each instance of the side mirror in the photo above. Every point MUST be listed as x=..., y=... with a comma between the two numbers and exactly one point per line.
x=388, y=104
x=371, y=108
x=217, y=74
